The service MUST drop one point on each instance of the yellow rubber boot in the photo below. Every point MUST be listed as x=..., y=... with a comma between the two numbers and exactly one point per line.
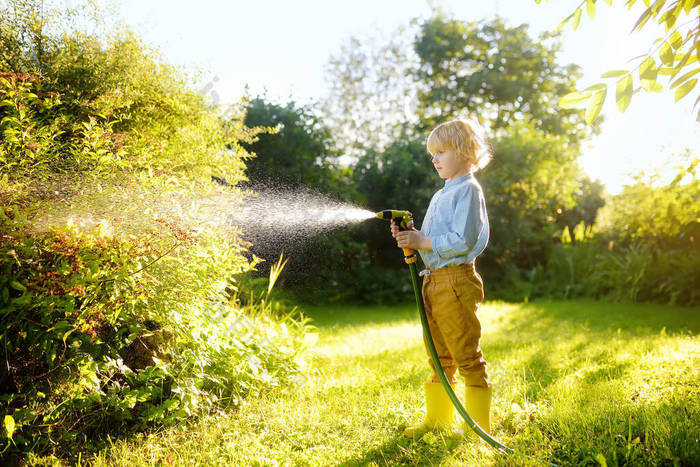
x=477, y=402
x=439, y=411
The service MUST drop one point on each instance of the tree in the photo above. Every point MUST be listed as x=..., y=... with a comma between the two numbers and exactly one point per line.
x=531, y=190
x=294, y=167
x=300, y=152
x=498, y=73
x=533, y=187
x=675, y=53
x=441, y=68
x=372, y=92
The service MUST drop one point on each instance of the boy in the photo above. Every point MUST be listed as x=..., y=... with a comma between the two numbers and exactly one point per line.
x=454, y=232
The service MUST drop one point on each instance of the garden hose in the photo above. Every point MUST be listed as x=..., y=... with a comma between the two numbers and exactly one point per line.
x=403, y=218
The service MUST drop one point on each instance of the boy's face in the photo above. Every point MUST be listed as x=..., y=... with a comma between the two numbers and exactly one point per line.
x=449, y=165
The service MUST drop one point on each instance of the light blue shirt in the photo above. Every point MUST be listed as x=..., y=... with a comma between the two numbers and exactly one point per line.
x=457, y=224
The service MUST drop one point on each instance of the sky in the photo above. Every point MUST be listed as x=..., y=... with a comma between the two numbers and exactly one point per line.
x=282, y=47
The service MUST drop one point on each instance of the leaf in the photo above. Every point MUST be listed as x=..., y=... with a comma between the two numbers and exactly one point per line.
x=643, y=18
x=577, y=18
x=563, y=22
x=11, y=120
x=596, y=87
x=657, y=6
x=68, y=333
x=684, y=78
x=590, y=8
x=647, y=70
x=571, y=99
x=601, y=460
x=623, y=94
x=595, y=105
x=614, y=73
x=18, y=286
x=656, y=87
x=666, y=54
x=9, y=425
x=669, y=18
x=648, y=74
x=685, y=89
x=676, y=39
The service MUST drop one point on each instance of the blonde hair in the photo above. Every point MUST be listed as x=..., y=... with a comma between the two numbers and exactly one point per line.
x=466, y=138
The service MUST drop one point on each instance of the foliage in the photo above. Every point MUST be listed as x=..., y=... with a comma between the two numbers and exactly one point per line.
x=530, y=185
x=298, y=153
x=642, y=248
x=659, y=216
x=106, y=334
x=106, y=105
x=498, y=73
x=299, y=160
x=119, y=307
x=372, y=92
x=672, y=58
x=438, y=68
x=575, y=382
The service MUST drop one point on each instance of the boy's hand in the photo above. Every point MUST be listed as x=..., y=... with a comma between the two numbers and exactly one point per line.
x=395, y=227
x=410, y=238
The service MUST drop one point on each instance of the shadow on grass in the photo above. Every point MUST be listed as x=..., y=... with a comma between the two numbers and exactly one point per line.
x=359, y=315
x=399, y=450
x=553, y=340
x=636, y=319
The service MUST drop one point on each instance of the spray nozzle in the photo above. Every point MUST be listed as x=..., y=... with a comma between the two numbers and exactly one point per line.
x=402, y=217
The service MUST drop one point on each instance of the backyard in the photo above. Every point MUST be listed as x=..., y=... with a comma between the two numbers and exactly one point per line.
x=576, y=383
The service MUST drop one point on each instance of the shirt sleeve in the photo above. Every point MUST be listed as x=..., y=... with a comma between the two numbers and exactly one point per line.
x=467, y=225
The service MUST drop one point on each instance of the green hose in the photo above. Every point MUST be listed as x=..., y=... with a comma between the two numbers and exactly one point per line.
x=402, y=218
x=436, y=361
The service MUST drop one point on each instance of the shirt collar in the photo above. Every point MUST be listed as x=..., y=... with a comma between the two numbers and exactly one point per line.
x=456, y=181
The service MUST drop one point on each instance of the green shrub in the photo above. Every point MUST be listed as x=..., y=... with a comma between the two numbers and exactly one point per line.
x=596, y=267
x=106, y=334
x=119, y=306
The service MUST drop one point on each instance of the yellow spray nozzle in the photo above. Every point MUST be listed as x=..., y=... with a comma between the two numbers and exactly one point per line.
x=402, y=217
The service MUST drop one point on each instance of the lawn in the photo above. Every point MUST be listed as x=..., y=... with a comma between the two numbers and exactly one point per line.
x=576, y=383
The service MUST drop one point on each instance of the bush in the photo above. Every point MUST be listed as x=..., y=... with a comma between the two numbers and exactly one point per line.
x=119, y=304
x=642, y=247
x=106, y=333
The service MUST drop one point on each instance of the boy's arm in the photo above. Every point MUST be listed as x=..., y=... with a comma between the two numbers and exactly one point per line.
x=468, y=224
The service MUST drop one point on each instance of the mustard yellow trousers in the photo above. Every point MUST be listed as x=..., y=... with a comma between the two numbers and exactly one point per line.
x=452, y=296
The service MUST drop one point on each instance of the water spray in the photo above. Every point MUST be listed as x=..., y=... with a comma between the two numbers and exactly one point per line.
x=402, y=219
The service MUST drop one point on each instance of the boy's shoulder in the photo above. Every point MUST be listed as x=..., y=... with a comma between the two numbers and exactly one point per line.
x=470, y=183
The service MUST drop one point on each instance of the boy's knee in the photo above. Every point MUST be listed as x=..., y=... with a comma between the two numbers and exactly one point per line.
x=475, y=377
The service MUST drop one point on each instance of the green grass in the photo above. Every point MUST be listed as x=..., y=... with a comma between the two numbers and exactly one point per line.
x=576, y=383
